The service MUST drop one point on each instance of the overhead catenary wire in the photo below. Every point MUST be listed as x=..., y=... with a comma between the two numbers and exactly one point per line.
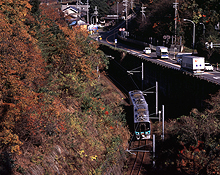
x=133, y=81
x=129, y=74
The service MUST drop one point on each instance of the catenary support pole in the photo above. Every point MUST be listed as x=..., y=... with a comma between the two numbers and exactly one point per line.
x=153, y=149
x=142, y=77
x=163, y=122
x=156, y=99
x=159, y=116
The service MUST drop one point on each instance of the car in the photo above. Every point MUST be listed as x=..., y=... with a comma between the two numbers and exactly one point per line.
x=147, y=50
x=208, y=67
x=179, y=61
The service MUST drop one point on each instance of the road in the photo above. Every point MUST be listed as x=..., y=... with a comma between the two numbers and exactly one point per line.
x=110, y=36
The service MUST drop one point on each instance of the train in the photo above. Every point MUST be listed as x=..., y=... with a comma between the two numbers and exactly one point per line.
x=142, y=128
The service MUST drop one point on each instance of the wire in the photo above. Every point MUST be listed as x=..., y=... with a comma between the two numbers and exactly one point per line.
x=118, y=83
x=134, y=82
x=121, y=66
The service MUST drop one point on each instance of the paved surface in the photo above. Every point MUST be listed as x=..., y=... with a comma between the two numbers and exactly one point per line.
x=110, y=36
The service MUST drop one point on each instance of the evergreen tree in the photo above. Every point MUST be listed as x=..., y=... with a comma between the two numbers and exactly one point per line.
x=35, y=6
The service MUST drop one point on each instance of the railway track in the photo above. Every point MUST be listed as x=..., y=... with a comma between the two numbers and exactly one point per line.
x=141, y=157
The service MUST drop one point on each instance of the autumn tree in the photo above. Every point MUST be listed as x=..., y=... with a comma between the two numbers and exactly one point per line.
x=49, y=86
x=26, y=111
x=22, y=69
x=192, y=143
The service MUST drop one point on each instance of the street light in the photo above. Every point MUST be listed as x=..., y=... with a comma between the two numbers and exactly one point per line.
x=193, y=32
x=203, y=28
x=91, y=19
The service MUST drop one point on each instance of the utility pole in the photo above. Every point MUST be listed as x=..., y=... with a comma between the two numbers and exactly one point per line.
x=126, y=12
x=80, y=8
x=117, y=11
x=175, y=5
x=132, y=4
x=87, y=4
x=96, y=14
x=142, y=11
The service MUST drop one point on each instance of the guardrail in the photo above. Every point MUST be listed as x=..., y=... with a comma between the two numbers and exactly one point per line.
x=140, y=43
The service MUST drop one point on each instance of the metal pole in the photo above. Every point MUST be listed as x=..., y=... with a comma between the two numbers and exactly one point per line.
x=203, y=28
x=132, y=4
x=194, y=32
x=117, y=11
x=95, y=14
x=115, y=38
x=194, y=28
x=174, y=52
x=163, y=122
x=87, y=11
x=91, y=20
x=96, y=19
x=156, y=98
x=126, y=16
x=175, y=6
x=159, y=116
x=142, y=11
x=126, y=11
x=153, y=149
x=142, y=76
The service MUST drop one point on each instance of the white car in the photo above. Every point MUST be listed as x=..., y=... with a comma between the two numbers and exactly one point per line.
x=147, y=50
x=208, y=67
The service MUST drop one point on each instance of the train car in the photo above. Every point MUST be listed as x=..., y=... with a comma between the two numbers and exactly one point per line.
x=141, y=115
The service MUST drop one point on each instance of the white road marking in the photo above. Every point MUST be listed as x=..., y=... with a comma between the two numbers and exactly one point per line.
x=216, y=78
x=169, y=63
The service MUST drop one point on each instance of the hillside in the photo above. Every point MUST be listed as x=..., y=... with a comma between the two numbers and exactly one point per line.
x=57, y=116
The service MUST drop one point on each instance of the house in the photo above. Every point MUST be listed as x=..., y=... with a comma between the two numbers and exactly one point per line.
x=70, y=11
x=75, y=13
x=81, y=8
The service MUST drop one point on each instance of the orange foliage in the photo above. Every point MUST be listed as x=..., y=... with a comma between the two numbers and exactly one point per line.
x=26, y=111
x=18, y=9
x=22, y=72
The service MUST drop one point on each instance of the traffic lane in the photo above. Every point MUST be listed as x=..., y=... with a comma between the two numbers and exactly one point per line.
x=170, y=63
x=213, y=76
x=140, y=53
x=111, y=41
